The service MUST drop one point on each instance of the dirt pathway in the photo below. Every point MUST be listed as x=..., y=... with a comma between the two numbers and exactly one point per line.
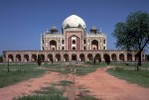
x=102, y=85
x=27, y=87
x=99, y=84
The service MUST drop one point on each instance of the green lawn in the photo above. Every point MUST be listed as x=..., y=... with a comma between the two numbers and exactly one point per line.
x=129, y=73
x=88, y=67
x=18, y=72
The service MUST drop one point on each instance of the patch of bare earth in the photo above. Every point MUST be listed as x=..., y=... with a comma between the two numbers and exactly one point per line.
x=27, y=87
x=99, y=84
x=106, y=87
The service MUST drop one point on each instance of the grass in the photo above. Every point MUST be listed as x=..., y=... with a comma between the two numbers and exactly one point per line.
x=87, y=98
x=140, y=77
x=65, y=83
x=78, y=69
x=41, y=97
x=18, y=72
x=49, y=91
x=46, y=93
x=87, y=68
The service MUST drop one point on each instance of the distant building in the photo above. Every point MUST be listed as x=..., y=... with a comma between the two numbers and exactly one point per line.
x=72, y=43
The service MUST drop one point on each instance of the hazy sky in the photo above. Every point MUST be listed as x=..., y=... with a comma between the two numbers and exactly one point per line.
x=23, y=21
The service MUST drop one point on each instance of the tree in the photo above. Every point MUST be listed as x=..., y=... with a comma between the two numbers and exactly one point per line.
x=39, y=60
x=133, y=34
x=1, y=58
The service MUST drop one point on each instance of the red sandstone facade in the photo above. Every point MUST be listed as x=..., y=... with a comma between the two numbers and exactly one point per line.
x=73, y=43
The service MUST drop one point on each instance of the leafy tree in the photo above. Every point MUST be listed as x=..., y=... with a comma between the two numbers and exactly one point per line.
x=133, y=34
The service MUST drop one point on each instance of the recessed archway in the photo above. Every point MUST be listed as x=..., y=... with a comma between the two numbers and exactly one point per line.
x=42, y=57
x=129, y=57
x=74, y=57
x=50, y=57
x=94, y=45
x=58, y=57
x=107, y=58
x=74, y=43
x=53, y=45
x=10, y=58
x=121, y=57
x=26, y=58
x=66, y=57
x=90, y=57
x=18, y=58
x=82, y=57
x=97, y=58
x=34, y=57
x=114, y=58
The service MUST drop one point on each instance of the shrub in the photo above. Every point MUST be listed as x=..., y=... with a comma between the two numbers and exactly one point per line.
x=39, y=60
x=118, y=69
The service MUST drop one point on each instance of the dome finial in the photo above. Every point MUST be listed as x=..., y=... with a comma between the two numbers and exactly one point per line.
x=74, y=12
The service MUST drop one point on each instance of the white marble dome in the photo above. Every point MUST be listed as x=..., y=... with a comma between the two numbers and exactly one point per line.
x=73, y=21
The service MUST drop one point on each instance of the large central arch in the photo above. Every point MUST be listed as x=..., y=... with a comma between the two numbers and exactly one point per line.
x=73, y=43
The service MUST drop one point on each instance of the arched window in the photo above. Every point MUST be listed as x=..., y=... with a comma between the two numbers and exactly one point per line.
x=73, y=48
x=62, y=41
x=73, y=42
x=84, y=41
x=62, y=47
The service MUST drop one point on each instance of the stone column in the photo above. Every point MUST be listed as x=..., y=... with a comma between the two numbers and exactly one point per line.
x=46, y=57
x=133, y=57
x=78, y=57
x=102, y=58
x=86, y=59
x=62, y=57
x=117, y=56
x=125, y=56
x=30, y=57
